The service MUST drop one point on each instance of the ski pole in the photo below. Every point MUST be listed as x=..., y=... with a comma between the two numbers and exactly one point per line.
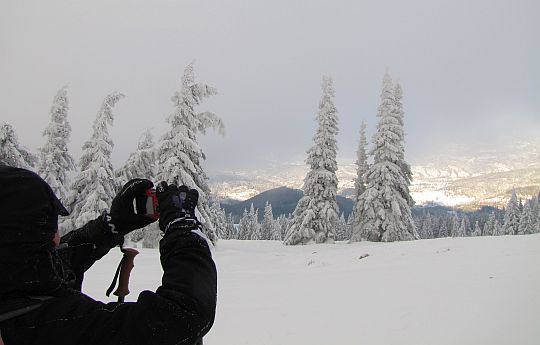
x=126, y=265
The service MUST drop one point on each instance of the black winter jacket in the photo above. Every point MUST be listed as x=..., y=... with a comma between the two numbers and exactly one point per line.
x=181, y=310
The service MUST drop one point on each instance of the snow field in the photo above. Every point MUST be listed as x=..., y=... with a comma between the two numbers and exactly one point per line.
x=481, y=290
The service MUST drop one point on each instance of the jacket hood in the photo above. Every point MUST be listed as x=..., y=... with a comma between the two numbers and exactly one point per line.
x=29, y=262
x=29, y=208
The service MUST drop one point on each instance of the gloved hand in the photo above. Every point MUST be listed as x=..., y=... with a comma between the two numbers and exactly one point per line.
x=177, y=207
x=122, y=217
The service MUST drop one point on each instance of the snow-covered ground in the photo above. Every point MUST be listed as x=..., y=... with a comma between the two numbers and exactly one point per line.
x=422, y=195
x=483, y=290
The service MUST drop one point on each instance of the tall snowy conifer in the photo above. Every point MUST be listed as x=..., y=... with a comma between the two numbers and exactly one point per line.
x=54, y=161
x=477, y=231
x=141, y=163
x=93, y=189
x=405, y=167
x=316, y=215
x=342, y=229
x=361, y=169
x=249, y=227
x=244, y=226
x=151, y=236
x=268, y=226
x=361, y=164
x=497, y=228
x=443, y=229
x=427, y=226
x=536, y=213
x=527, y=222
x=276, y=235
x=489, y=225
x=283, y=222
x=454, y=228
x=255, y=232
x=11, y=152
x=511, y=216
x=384, y=208
x=463, y=227
x=219, y=219
x=230, y=232
x=179, y=156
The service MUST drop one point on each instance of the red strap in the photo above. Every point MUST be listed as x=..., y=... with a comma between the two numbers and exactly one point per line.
x=1, y=341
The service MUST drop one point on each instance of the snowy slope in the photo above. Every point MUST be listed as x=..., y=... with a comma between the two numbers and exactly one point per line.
x=483, y=290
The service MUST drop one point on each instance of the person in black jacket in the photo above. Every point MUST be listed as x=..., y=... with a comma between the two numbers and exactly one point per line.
x=41, y=277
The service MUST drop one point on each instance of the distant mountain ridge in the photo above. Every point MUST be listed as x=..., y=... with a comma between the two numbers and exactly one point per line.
x=283, y=200
x=464, y=177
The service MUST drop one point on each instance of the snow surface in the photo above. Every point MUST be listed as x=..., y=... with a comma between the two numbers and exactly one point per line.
x=441, y=197
x=482, y=290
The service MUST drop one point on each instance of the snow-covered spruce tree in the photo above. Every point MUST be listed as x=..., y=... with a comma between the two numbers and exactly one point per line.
x=137, y=235
x=511, y=216
x=255, y=232
x=350, y=222
x=443, y=228
x=454, y=225
x=93, y=189
x=141, y=163
x=405, y=167
x=276, y=234
x=244, y=227
x=536, y=214
x=419, y=219
x=361, y=164
x=527, y=221
x=249, y=227
x=341, y=228
x=230, y=230
x=284, y=223
x=180, y=157
x=54, y=160
x=477, y=230
x=467, y=226
x=384, y=208
x=463, y=227
x=268, y=224
x=489, y=225
x=427, y=226
x=11, y=152
x=361, y=169
x=151, y=236
x=316, y=214
x=497, y=228
x=219, y=219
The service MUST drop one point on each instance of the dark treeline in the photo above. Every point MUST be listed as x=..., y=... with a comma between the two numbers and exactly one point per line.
x=432, y=221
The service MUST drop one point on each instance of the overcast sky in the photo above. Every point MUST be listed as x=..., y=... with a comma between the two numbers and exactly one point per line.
x=470, y=69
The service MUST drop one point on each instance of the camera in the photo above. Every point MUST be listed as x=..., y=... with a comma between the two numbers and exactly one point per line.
x=147, y=204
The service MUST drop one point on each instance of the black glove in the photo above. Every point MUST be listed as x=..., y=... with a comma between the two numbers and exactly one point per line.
x=123, y=218
x=177, y=207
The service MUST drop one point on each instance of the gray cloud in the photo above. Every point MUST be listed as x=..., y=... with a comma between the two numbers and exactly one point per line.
x=468, y=69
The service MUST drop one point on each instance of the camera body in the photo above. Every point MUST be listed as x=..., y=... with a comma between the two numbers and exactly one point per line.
x=147, y=204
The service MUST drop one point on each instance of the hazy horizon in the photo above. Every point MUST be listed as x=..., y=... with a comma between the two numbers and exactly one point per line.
x=468, y=71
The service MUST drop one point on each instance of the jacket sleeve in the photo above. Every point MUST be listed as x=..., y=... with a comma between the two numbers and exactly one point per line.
x=89, y=244
x=180, y=312
x=189, y=278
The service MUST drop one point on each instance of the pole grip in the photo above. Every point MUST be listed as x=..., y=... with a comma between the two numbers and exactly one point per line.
x=125, y=271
